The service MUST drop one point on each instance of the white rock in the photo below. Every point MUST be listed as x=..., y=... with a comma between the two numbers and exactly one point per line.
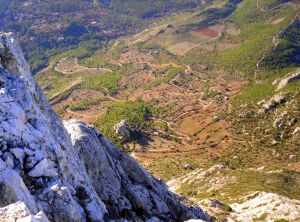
x=34, y=146
x=273, y=102
x=39, y=217
x=291, y=157
x=4, y=148
x=44, y=168
x=188, y=166
x=154, y=219
x=30, y=162
x=274, y=142
x=39, y=155
x=278, y=123
x=108, y=165
x=122, y=128
x=21, y=115
x=296, y=131
x=260, y=169
x=287, y=80
x=19, y=154
x=18, y=212
x=2, y=165
x=13, y=189
x=269, y=206
x=13, y=211
x=8, y=159
x=29, y=152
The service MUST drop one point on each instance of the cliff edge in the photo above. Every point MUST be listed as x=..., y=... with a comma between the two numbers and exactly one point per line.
x=53, y=172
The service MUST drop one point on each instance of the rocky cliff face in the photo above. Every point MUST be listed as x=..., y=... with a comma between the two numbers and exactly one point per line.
x=69, y=173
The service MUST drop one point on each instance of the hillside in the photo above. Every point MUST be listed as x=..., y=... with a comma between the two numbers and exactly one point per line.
x=203, y=94
x=217, y=85
x=46, y=28
x=50, y=171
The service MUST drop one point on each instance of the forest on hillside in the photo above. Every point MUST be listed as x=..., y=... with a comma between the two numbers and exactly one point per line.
x=52, y=26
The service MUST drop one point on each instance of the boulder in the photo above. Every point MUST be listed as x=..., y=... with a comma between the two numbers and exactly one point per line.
x=8, y=159
x=29, y=152
x=296, y=131
x=188, y=166
x=273, y=102
x=44, y=168
x=287, y=80
x=13, y=189
x=19, y=154
x=18, y=212
x=123, y=129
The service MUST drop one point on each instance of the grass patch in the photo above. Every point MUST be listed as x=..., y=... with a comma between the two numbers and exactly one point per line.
x=84, y=104
x=103, y=56
x=169, y=167
x=55, y=82
x=247, y=181
x=107, y=82
x=136, y=113
x=255, y=38
x=171, y=73
x=254, y=92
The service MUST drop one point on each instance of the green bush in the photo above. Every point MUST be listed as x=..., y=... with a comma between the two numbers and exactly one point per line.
x=84, y=104
x=136, y=113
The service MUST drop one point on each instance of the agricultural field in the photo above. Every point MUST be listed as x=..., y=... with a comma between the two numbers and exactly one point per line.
x=48, y=28
x=193, y=87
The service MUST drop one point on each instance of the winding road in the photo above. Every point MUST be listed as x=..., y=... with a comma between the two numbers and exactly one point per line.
x=275, y=39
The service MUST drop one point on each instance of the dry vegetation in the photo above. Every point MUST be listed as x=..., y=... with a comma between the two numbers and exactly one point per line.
x=198, y=86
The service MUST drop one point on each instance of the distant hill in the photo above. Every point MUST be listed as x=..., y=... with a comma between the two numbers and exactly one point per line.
x=48, y=27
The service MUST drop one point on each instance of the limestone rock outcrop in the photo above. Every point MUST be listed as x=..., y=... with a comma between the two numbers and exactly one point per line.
x=273, y=102
x=287, y=80
x=119, y=179
x=74, y=175
x=123, y=130
x=20, y=213
x=266, y=207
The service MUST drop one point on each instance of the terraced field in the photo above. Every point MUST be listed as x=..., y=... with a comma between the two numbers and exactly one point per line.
x=193, y=85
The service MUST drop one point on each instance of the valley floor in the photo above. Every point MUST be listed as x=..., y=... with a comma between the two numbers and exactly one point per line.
x=213, y=118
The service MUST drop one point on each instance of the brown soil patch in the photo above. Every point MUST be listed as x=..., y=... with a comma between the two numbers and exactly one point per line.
x=208, y=32
x=181, y=47
x=90, y=114
x=217, y=88
x=139, y=78
x=164, y=93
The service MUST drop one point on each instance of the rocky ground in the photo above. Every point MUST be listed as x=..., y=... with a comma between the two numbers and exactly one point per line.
x=255, y=206
x=71, y=172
